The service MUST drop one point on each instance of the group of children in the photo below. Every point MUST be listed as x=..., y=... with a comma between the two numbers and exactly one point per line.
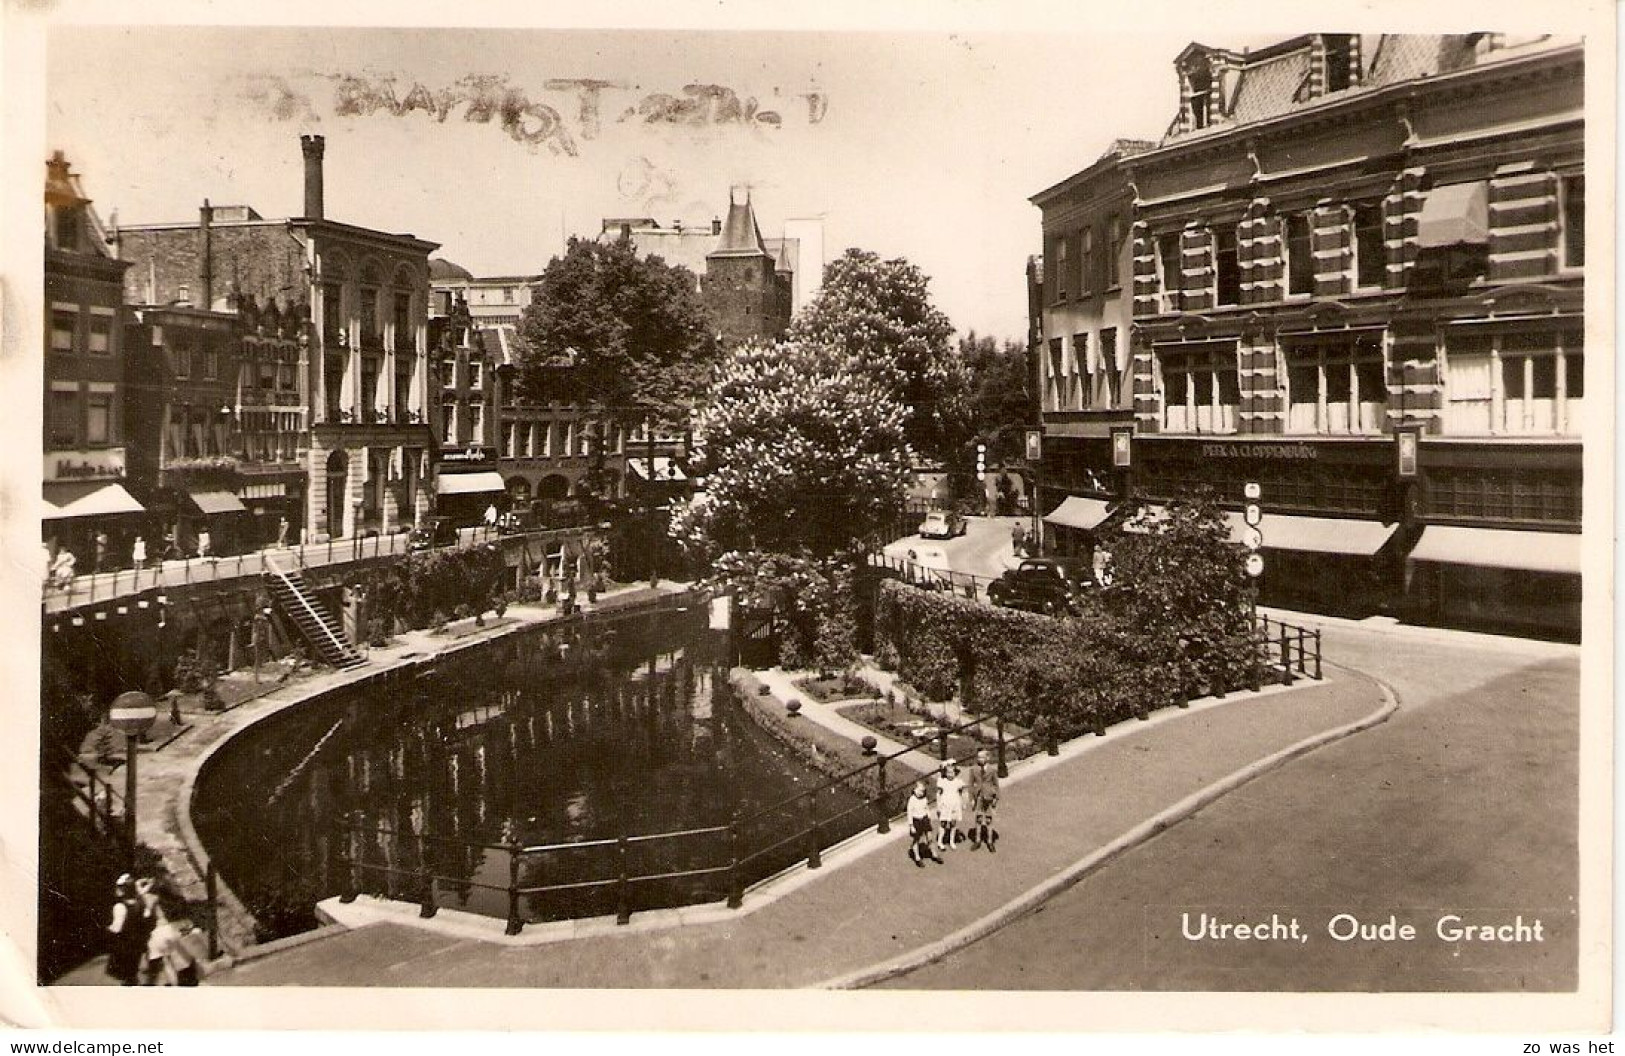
x=936, y=827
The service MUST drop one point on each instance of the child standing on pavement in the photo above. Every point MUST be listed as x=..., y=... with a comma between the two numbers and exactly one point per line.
x=984, y=799
x=919, y=828
x=950, y=804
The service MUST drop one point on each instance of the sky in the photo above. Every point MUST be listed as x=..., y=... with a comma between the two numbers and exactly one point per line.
x=924, y=145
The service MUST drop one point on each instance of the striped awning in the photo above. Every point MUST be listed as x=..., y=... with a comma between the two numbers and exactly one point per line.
x=213, y=502
x=1078, y=512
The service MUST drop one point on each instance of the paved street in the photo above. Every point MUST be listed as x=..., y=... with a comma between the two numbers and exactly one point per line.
x=1463, y=803
x=983, y=551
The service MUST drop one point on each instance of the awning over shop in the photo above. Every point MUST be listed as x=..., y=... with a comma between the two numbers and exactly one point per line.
x=64, y=501
x=1078, y=512
x=1453, y=214
x=471, y=483
x=665, y=468
x=1499, y=548
x=263, y=491
x=213, y=502
x=1324, y=535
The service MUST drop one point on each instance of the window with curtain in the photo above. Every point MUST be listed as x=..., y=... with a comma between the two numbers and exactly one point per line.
x=1200, y=389
x=1170, y=271
x=1335, y=384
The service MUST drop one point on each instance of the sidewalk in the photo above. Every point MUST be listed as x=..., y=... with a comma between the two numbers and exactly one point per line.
x=869, y=910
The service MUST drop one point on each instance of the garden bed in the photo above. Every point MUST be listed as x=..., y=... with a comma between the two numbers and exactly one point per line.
x=836, y=687
x=896, y=721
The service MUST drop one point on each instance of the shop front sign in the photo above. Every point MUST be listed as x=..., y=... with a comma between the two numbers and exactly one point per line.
x=101, y=464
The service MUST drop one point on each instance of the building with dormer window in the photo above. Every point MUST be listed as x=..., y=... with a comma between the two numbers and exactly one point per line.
x=1356, y=279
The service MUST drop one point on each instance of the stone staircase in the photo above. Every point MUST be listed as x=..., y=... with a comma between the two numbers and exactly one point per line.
x=290, y=594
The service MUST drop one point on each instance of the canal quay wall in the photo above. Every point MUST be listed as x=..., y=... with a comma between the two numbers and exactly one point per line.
x=168, y=778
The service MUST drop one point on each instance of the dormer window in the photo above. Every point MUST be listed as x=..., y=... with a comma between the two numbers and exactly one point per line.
x=1339, y=61
x=1200, y=80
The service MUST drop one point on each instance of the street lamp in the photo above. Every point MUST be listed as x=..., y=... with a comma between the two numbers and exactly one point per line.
x=133, y=713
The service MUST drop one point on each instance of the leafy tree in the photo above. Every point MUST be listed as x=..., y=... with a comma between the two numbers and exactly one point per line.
x=879, y=315
x=633, y=329
x=801, y=453
x=1001, y=407
x=1178, y=584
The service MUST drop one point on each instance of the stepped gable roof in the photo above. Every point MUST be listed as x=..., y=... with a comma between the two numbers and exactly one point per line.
x=740, y=235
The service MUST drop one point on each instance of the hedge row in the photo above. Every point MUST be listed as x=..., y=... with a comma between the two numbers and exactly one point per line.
x=1073, y=675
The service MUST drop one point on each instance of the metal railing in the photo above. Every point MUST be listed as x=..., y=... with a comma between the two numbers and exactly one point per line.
x=965, y=584
x=1288, y=650
x=93, y=588
x=749, y=847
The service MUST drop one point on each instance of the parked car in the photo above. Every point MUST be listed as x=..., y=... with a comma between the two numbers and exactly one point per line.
x=942, y=524
x=934, y=558
x=1050, y=585
x=434, y=532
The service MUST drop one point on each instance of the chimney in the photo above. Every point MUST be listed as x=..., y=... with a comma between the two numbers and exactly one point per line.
x=716, y=224
x=313, y=147
x=204, y=298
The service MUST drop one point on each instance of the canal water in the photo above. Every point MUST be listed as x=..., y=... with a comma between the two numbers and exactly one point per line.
x=578, y=745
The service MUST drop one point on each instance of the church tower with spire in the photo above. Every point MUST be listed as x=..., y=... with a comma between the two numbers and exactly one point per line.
x=745, y=288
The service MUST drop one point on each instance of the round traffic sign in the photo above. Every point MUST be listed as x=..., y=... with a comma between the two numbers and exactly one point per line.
x=1252, y=538
x=132, y=712
x=1252, y=514
x=1255, y=565
x=1251, y=491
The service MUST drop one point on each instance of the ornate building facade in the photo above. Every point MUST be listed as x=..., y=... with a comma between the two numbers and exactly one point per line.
x=1357, y=279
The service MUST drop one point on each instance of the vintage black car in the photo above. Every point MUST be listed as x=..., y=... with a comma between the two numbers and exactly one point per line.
x=1051, y=585
x=434, y=532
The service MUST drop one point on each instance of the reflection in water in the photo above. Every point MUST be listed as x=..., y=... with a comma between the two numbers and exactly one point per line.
x=534, y=740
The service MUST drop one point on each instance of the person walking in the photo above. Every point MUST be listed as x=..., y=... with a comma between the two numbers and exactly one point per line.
x=950, y=805
x=203, y=543
x=138, y=553
x=129, y=940
x=920, y=845
x=983, y=789
x=50, y=562
x=99, y=558
x=490, y=518
x=281, y=532
x=62, y=567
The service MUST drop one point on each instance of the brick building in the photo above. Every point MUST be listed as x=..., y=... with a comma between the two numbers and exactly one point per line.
x=355, y=302
x=1357, y=279
x=84, y=453
x=747, y=289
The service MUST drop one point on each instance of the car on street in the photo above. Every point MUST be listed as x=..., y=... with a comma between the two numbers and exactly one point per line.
x=519, y=520
x=1050, y=585
x=432, y=533
x=942, y=524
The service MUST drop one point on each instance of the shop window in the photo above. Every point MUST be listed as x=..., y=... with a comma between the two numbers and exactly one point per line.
x=99, y=336
x=64, y=419
x=64, y=325
x=1370, y=249
x=1572, y=191
x=1515, y=384
x=1226, y=267
x=1335, y=385
x=1300, y=258
x=1201, y=391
